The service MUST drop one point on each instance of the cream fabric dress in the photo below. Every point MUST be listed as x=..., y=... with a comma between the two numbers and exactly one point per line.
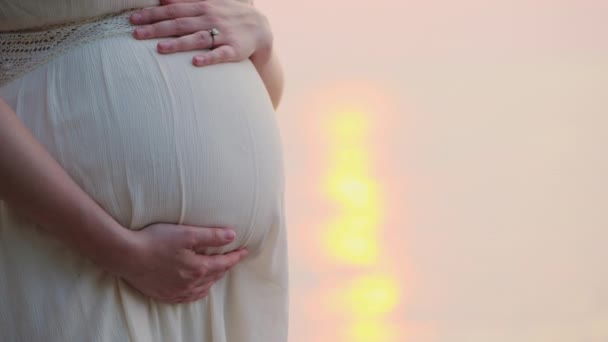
x=152, y=139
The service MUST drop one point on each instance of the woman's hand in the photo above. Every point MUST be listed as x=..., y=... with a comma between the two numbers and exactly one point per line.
x=244, y=31
x=164, y=264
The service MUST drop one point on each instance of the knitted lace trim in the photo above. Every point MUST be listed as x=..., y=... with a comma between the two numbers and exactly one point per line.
x=23, y=51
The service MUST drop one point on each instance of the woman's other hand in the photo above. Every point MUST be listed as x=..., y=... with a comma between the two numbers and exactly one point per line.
x=164, y=264
x=244, y=31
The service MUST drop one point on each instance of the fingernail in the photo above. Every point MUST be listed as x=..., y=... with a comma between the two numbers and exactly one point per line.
x=136, y=17
x=199, y=60
x=141, y=32
x=166, y=45
x=229, y=235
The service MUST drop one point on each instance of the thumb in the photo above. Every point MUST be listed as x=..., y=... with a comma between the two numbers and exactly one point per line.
x=168, y=2
x=210, y=237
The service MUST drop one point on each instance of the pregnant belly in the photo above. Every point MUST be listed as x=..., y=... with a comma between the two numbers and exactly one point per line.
x=153, y=139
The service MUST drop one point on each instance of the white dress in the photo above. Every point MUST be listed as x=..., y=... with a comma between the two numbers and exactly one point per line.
x=152, y=139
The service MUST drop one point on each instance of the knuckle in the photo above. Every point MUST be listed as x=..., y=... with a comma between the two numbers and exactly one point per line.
x=179, y=45
x=218, y=234
x=182, y=24
x=183, y=275
x=201, y=6
x=171, y=11
x=199, y=272
x=152, y=15
x=224, y=267
x=231, y=54
x=219, y=267
x=188, y=236
x=221, y=54
x=213, y=20
x=204, y=267
x=154, y=30
x=187, y=289
x=205, y=271
x=186, y=276
x=235, y=259
x=201, y=37
x=184, y=287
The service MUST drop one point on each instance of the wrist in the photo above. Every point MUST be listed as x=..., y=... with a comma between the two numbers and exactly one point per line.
x=260, y=58
x=117, y=251
x=264, y=48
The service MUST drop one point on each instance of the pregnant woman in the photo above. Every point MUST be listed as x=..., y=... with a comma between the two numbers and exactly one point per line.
x=141, y=195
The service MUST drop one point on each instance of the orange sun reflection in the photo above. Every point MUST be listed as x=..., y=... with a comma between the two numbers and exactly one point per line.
x=363, y=293
x=373, y=331
x=352, y=237
x=352, y=242
x=372, y=296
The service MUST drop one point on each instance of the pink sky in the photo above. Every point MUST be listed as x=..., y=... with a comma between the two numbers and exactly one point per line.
x=484, y=139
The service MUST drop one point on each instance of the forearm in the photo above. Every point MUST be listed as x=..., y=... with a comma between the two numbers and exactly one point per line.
x=34, y=184
x=270, y=70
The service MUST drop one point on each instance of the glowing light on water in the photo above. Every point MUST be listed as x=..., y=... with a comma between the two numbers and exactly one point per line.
x=373, y=331
x=352, y=240
x=372, y=296
x=353, y=191
x=351, y=237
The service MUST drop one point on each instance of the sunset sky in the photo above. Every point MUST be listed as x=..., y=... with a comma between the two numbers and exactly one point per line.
x=446, y=169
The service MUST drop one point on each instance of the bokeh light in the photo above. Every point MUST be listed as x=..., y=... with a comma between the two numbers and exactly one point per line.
x=372, y=296
x=352, y=233
x=352, y=236
x=373, y=331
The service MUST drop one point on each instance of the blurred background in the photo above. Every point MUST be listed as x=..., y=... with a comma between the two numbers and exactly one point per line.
x=447, y=168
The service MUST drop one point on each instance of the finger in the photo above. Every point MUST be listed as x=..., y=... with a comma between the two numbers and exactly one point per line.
x=210, y=279
x=201, y=289
x=200, y=294
x=168, y=28
x=221, y=54
x=167, y=2
x=219, y=276
x=224, y=262
x=202, y=237
x=195, y=41
x=160, y=13
x=183, y=296
x=176, y=300
x=173, y=300
x=203, y=294
x=196, y=293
